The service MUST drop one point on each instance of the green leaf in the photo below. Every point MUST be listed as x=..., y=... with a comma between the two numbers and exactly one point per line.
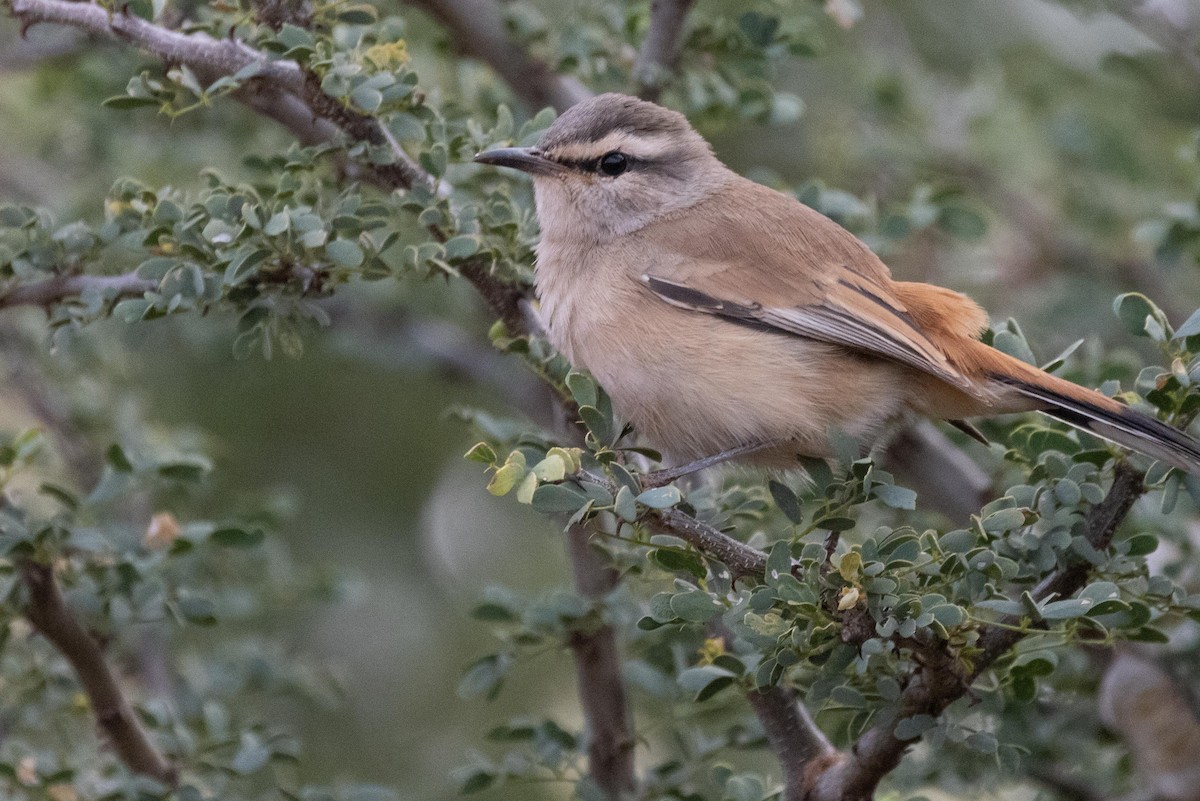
x=847, y=696
x=198, y=610
x=242, y=265
x=527, y=488
x=130, y=102
x=660, y=497
x=344, y=253
x=461, y=247
x=913, y=727
x=552, y=468
x=895, y=496
x=505, y=478
x=696, y=606
x=481, y=452
x=234, y=537
x=625, y=505
x=190, y=471
x=550, y=498
x=485, y=677
x=583, y=389
x=252, y=756
x=1014, y=345
x=598, y=423
x=1135, y=311
x=117, y=459
x=679, y=561
x=705, y=681
x=278, y=223
x=493, y=613
x=1003, y=520
x=477, y=781
x=1190, y=328
x=1065, y=610
x=787, y=501
x=1141, y=544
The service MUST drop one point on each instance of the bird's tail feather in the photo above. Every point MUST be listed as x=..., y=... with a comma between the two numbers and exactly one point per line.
x=1098, y=414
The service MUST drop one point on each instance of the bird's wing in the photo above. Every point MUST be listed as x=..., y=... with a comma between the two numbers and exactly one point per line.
x=778, y=265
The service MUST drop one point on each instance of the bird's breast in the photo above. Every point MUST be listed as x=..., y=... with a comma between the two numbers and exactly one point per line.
x=693, y=384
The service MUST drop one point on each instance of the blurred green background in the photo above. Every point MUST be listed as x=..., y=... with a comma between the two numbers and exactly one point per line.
x=1067, y=130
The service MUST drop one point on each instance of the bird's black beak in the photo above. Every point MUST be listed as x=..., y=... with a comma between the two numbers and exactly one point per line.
x=525, y=159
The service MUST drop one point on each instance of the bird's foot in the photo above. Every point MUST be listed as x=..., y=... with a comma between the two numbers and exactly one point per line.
x=660, y=478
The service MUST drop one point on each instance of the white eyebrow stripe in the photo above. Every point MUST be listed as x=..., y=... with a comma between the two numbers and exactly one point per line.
x=636, y=145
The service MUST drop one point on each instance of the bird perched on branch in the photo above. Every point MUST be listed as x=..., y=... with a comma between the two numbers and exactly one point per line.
x=718, y=313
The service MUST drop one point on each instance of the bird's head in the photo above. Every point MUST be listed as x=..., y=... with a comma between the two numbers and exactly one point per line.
x=611, y=165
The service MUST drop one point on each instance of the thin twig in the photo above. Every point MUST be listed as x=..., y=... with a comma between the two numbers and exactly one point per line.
x=47, y=610
x=662, y=46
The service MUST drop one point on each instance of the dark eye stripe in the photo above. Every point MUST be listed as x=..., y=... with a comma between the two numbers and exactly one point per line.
x=593, y=165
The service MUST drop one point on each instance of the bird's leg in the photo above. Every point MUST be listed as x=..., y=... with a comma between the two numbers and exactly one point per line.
x=660, y=478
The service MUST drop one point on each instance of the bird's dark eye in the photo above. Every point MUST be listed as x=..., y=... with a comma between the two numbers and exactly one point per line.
x=613, y=163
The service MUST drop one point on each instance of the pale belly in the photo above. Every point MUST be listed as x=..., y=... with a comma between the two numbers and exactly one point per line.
x=695, y=385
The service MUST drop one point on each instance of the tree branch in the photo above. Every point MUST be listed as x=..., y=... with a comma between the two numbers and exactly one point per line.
x=55, y=290
x=47, y=610
x=661, y=48
x=479, y=32
x=226, y=56
x=280, y=90
x=938, y=682
x=802, y=749
x=740, y=558
x=598, y=667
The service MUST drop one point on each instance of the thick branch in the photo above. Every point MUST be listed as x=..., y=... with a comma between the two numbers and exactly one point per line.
x=47, y=610
x=479, y=32
x=802, y=749
x=55, y=290
x=937, y=683
x=598, y=667
x=661, y=48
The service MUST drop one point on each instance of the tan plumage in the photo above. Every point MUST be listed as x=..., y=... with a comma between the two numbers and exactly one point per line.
x=717, y=312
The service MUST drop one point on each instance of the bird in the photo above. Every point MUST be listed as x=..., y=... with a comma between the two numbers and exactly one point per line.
x=720, y=314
